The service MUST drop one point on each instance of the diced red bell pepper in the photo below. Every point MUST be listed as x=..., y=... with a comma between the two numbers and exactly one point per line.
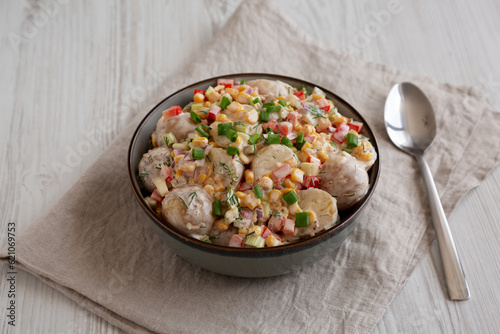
x=155, y=195
x=265, y=232
x=284, y=127
x=228, y=83
x=313, y=159
x=293, y=118
x=236, y=241
x=356, y=126
x=340, y=134
x=323, y=104
x=167, y=173
x=201, y=91
x=311, y=181
x=172, y=111
x=281, y=172
x=310, y=139
x=244, y=186
x=275, y=224
x=271, y=124
x=213, y=113
x=300, y=94
x=289, y=227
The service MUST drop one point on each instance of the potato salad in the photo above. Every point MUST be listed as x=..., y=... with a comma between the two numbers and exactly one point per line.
x=255, y=164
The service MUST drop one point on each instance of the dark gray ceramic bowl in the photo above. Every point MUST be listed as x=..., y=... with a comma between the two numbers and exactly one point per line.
x=247, y=262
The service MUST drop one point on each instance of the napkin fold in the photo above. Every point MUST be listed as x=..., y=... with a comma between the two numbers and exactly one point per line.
x=96, y=247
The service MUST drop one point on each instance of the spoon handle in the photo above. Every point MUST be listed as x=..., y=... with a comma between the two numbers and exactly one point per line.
x=453, y=272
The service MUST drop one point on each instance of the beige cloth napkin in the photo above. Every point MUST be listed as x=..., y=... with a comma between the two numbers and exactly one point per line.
x=97, y=248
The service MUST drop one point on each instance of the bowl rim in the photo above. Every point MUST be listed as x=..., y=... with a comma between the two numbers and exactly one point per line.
x=281, y=250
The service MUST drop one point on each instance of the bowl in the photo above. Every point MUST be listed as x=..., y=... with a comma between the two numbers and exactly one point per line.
x=247, y=262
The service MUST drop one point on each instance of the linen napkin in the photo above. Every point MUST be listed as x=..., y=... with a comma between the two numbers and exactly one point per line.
x=96, y=247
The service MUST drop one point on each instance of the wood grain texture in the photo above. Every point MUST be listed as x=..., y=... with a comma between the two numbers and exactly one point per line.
x=68, y=66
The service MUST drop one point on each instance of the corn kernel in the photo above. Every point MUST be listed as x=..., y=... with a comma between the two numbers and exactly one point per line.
x=298, y=127
x=305, y=146
x=234, y=107
x=232, y=92
x=240, y=195
x=292, y=162
x=254, y=93
x=317, y=97
x=178, y=173
x=218, y=196
x=244, y=159
x=200, y=141
x=256, y=229
x=251, y=201
x=280, y=98
x=207, y=104
x=266, y=183
x=218, y=88
x=271, y=241
x=366, y=156
x=179, y=157
x=209, y=189
x=307, y=129
x=218, y=178
x=221, y=117
x=274, y=196
x=243, y=97
x=237, y=142
x=210, y=181
x=219, y=187
x=249, y=176
x=353, y=132
x=198, y=98
x=188, y=168
x=243, y=231
x=214, y=97
x=289, y=184
x=322, y=155
x=221, y=225
x=203, y=178
x=252, y=117
x=339, y=120
x=297, y=175
x=243, y=87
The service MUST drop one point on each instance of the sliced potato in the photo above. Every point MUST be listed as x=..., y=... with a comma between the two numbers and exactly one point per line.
x=269, y=158
x=226, y=166
x=345, y=179
x=150, y=166
x=324, y=207
x=180, y=125
x=197, y=218
x=271, y=88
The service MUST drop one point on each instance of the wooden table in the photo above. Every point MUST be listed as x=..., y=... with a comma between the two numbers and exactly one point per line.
x=65, y=65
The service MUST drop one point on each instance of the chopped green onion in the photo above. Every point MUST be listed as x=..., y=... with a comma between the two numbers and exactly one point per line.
x=303, y=88
x=255, y=241
x=242, y=82
x=231, y=197
x=207, y=239
x=282, y=102
x=257, y=191
x=268, y=104
x=290, y=197
x=169, y=139
x=300, y=138
x=273, y=138
x=349, y=195
x=217, y=207
x=202, y=132
x=264, y=116
x=195, y=117
x=301, y=219
x=232, y=150
x=352, y=140
x=273, y=108
x=240, y=127
x=256, y=100
x=254, y=139
x=287, y=142
x=198, y=153
x=224, y=102
x=206, y=127
x=347, y=150
x=231, y=135
x=196, y=107
x=223, y=128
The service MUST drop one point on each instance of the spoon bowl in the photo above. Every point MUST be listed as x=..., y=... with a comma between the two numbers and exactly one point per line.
x=411, y=125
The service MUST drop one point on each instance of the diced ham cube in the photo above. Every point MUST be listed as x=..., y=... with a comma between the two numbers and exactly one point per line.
x=356, y=126
x=271, y=124
x=281, y=172
x=213, y=113
x=284, y=128
x=172, y=111
x=300, y=94
x=167, y=173
x=275, y=224
x=340, y=134
x=289, y=227
x=323, y=104
x=236, y=241
x=155, y=195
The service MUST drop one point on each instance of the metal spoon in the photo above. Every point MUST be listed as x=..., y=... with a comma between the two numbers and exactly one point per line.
x=411, y=125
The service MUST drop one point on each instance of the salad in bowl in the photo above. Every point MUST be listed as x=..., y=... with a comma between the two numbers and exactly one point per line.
x=255, y=164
